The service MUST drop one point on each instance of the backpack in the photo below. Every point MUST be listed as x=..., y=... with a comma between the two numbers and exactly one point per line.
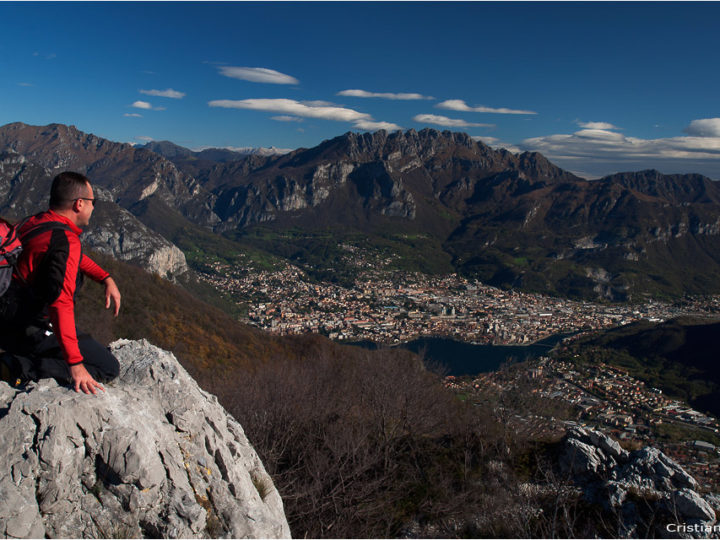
x=12, y=298
x=10, y=249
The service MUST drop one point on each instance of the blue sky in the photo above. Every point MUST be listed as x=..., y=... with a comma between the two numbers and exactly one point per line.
x=596, y=87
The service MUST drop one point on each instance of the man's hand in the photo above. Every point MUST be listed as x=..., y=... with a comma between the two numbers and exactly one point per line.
x=83, y=381
x=112, y=293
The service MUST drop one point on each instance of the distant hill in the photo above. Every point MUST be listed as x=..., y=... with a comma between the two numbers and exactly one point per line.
x=439, y=200
x=196, y=163
x=678, y=356
x=173, y=151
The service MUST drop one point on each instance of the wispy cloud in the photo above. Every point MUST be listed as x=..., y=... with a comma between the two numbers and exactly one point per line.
x=259, y=75
x=445, y=121
x=133, y=115
x=306, y=109
x=382, y=95
x=460, y=105
x=169, y=93
x=146, y=106
x=287, y=118
x=319, y=103
x=25, y=84
x=144, y=138
x=370, y=125
x=596, y=125
x=294, y=108
x=142, y=105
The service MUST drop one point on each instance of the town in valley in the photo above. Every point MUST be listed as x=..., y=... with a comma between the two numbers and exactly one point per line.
x=393, y=307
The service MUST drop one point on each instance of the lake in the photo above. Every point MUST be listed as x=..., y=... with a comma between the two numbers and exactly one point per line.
x=460, y=358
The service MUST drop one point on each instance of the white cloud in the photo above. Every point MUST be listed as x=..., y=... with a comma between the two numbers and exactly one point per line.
x=286, y=118
x=593, y=152
x=383, y=95
x=596, y=125
x=294, y=108
x=706, y=127
x=598, y=145
x=133, y=115
x=369, y=125
x=291, y=109
x=460, y=105
x=260, y=75
x=142, y=105
x=25, y=84
x=169, y=93
x=445, y=121
x=144, y=138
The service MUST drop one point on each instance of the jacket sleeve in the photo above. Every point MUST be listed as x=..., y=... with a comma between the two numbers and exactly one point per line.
x=64, y=264
x=93, y=270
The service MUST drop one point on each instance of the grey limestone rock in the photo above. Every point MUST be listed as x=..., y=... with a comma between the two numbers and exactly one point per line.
x=153, y=456
x=608, y=475
x=691, y=506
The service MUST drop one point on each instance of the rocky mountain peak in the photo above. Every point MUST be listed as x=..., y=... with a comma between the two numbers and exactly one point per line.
x=154, y=456
x=678, y=188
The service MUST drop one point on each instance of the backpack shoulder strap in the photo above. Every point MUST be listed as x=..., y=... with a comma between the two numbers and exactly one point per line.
x=43, y=227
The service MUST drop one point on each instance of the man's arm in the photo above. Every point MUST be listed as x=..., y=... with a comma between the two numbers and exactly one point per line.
x=112, y=294
x=64, y=263
x=93, y=270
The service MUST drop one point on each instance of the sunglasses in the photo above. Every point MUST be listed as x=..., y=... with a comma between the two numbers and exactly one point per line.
x=85, y=199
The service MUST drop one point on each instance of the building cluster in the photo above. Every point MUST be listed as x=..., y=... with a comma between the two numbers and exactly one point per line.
x=395, y=307
x=609, y=399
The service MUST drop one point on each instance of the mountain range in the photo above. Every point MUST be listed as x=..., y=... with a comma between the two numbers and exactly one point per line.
x=442, y=200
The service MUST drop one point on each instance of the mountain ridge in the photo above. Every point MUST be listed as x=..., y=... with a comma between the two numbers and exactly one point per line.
x=511, y=220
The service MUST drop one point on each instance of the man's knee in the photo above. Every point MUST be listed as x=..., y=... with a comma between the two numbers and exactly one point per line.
x=112, y=369
x=98, y=360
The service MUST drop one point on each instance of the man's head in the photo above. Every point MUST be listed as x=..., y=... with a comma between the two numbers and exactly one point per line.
x=71, y=195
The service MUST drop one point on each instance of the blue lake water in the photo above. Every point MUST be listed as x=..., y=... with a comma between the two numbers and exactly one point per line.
x=458, y=358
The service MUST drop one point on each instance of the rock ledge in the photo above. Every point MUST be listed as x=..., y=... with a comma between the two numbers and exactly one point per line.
x=154, y=456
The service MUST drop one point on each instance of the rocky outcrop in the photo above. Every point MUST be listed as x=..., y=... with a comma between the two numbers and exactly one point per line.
x=116, y=232
x=113, y=230
x=153, y=456
x=618, y=480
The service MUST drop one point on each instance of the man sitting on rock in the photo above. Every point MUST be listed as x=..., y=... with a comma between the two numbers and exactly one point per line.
x=40, y=332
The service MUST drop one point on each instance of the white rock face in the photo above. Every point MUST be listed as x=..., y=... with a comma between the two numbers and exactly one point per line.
x=124, y=237
x=153, y=456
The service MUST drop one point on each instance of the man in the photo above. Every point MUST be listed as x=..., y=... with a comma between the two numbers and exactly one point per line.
x=42, y=333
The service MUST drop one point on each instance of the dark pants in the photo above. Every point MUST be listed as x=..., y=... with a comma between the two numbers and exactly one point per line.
x=38, y=356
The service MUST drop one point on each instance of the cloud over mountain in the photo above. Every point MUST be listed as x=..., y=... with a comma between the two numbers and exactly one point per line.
x=594, y=145
x=445, y=121
x=370, y=125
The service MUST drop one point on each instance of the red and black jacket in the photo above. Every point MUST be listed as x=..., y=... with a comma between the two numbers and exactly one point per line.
x=52, y=265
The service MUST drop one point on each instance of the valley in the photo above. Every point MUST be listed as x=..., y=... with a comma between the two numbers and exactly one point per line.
x=391, y=307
